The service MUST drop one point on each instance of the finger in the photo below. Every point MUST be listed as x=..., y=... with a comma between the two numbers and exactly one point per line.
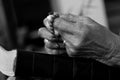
x=53, y=45
x=70, y=17
x=62, y=25
x=76, y=19
x=54, y=51
x=50, y=49
x=70, y=51
x=73, y=41
x=44, y=33
x=47, y=22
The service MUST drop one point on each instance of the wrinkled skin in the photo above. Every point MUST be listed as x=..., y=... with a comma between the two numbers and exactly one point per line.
x=83, y=37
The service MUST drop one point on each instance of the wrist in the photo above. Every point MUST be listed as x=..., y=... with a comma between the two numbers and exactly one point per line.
x=113, y=54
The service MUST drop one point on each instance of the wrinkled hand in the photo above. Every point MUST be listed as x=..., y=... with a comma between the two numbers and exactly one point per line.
x=84, y=37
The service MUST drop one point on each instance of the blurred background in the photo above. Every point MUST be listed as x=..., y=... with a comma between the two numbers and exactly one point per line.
x=20, y=20
x=113, y=15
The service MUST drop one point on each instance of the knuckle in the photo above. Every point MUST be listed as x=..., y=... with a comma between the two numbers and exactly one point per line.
x=40, y=31
x=46, y=41
x=50, y=44
x=44, y=33
x=51, y=51
x=71, y=52
x=57, y=22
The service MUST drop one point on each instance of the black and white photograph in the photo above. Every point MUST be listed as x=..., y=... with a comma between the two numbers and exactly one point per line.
x=59, y=39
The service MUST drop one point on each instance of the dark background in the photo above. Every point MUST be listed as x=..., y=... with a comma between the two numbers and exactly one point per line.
x=32, y=12
x=25, y=17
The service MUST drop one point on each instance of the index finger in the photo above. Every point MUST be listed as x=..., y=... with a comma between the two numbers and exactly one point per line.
x=70, y=17
x=63, y=25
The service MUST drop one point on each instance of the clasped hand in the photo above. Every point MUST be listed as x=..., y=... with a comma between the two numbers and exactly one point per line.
x=81, y=36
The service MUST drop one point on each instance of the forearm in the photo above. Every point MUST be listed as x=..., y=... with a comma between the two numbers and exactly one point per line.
x=95, y=9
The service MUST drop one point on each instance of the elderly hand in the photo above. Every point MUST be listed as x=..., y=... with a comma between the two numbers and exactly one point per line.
x=83, y=37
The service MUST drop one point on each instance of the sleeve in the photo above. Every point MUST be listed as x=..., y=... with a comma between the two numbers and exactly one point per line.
x=42, y=65
x=33, y=64
x=95, y=9
x=7, y=61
